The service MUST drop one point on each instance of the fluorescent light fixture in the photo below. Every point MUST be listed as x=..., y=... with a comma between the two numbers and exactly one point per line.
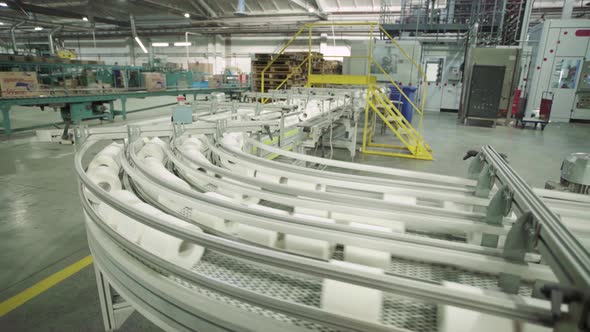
x=85, y=19
x=1, y=23
x=141, y=45
x=160, y=44
x=187, y=15
x=38, y=28
x=3, y=4
x=183, y=44
x=311, y=9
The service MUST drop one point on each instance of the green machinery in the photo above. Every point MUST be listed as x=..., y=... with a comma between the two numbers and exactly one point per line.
x=56, y=78
x=76, y=108
x=89, y=91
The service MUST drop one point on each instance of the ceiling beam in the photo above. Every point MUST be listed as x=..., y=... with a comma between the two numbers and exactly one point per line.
x=308, y=7
x=274, y=3
x=171, y=8
x=60, y=13
x=321, y=6
x=208, y=8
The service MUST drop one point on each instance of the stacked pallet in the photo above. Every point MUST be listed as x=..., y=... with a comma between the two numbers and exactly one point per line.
x=332, y=67
x=284, y=65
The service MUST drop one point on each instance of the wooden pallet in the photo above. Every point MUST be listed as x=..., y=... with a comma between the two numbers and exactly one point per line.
x=286, y=64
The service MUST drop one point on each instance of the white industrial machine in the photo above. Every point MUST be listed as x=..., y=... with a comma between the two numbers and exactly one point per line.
x=389, y=57
x=223, y=224
x=560, y=67
x=442, y=65
x=575, y=174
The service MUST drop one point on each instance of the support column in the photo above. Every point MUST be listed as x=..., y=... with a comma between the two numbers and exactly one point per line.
x=568, y=9
x=131, y=43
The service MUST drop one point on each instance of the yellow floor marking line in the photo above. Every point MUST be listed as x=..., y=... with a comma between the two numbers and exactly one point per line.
x=43, y=285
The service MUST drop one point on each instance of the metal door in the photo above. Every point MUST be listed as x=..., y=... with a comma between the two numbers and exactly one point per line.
x=485, y=91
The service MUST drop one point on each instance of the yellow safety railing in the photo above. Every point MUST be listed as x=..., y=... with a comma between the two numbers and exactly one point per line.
x=405, y=132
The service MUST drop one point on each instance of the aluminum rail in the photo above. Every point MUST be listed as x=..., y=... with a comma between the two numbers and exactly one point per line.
x=271, y=196
x=569, y=260
x=342, y=234
x=280, y=194
x=298, y=310
x=489, y=302
x=161, y=300
x=84, y=133
x=350, y=181
x=418, y=176
x=339, y=233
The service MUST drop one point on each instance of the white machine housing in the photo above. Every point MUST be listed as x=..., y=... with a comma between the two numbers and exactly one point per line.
x=442, y=65
x=389, y=57
x=560, y=50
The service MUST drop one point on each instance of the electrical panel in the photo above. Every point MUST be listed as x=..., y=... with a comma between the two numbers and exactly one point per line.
x=584, y=78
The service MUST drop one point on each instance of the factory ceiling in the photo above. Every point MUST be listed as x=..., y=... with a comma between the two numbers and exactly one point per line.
x=111, y=18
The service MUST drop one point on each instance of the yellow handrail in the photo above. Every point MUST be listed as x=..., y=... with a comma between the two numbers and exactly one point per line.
x=278, y=55
x=397, y=86
x=422, y=73
x=292, y=73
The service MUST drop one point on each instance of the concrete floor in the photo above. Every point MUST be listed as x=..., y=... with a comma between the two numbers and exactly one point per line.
x=41, y=225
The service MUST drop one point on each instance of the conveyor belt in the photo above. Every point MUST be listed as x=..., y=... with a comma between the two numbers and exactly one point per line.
x=239, y=285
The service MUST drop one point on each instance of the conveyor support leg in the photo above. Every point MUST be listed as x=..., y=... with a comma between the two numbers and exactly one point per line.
x=6, y=121
x=124, y=108
x=115, y=310
x=485, y=182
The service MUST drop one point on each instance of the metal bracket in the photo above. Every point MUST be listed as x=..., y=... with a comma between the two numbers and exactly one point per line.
x=133, y=133
x=559, y=294
x=500, y=206
x=476, y=165
x=521, y=237
x=220, y=128
x=81, y=134
x=485, y=181
x=178, y=129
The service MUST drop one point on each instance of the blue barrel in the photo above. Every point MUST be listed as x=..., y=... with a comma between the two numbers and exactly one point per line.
x=406, y=109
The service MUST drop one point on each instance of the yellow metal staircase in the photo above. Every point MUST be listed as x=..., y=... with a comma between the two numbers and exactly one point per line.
x=411, y=144
x=378, y=109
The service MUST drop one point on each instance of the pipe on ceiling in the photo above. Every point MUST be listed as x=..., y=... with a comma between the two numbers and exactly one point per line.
x=241, y=7
x=134, y=34
x=51, y=32
x=13, y=36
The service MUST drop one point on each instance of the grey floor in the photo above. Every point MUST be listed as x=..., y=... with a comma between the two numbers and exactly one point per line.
x=41, y=225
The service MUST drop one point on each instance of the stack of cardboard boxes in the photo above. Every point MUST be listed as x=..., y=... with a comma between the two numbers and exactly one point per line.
x=19, y=84
x=154, y=81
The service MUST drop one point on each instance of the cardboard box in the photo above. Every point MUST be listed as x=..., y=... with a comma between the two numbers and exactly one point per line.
x=215, y=81
x=154, y=81
x=201, y=67
x=19, y=84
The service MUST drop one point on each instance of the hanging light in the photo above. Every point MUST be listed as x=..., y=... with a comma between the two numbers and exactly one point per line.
x=187, y=15
x=85, y=19
x=38, y=28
